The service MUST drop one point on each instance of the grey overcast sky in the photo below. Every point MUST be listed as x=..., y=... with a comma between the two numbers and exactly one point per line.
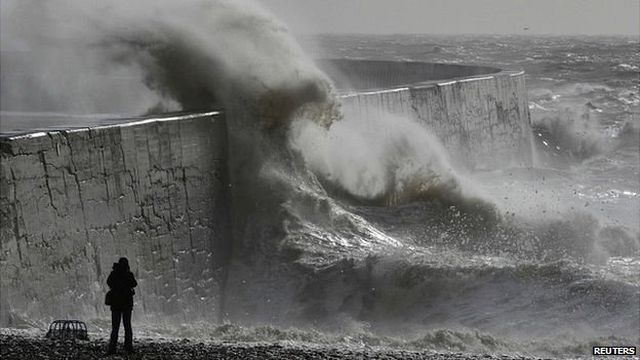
x=460, y=16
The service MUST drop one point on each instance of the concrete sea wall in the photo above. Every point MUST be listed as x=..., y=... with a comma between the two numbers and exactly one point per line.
x=156, y=190
x=479, y=113
x=72, y=202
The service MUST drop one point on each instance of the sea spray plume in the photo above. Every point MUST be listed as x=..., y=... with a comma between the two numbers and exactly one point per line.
x=263, y=80
x=385, y=159
x=219, y=52
x=163, y=55
x=200, y=54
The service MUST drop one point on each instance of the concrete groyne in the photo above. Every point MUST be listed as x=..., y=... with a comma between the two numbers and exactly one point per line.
x=156, y=189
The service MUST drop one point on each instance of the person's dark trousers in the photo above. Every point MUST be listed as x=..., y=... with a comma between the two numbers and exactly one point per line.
x=115, y=326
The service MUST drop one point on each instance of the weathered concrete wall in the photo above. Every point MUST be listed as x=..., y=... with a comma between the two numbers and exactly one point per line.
x=156, y=191
x=72, y=202
x=483, y=120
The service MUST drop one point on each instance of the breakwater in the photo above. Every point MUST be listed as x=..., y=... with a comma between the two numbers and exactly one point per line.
x=72, y=201
x=481, y=112
x=157, y=189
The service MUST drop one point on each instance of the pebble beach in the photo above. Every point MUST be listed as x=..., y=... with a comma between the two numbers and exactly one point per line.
x=29, y=346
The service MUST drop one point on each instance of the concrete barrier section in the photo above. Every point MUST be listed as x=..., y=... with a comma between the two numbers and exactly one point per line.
x=480, y=114
x=156, y=190
x=72, y=202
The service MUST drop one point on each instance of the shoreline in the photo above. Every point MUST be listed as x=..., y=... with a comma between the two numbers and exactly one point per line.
x=18, y=345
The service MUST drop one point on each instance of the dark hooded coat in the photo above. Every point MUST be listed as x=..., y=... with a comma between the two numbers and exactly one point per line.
x=121, y=282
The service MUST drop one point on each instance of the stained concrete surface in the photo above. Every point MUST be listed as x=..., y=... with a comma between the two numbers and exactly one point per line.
x=156, y=190
x=73, y=201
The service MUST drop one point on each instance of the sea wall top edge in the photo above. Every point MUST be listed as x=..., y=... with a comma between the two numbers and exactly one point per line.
x=111, y=124
x=432, y=83
x=482, y=73
x=119, y=123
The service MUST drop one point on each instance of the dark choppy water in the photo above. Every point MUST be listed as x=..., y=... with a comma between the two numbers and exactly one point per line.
x=566, y=269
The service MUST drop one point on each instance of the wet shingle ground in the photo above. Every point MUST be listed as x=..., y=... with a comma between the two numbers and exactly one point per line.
x=30, y=347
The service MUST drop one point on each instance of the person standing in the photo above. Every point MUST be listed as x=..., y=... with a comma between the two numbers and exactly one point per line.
x=121, y=283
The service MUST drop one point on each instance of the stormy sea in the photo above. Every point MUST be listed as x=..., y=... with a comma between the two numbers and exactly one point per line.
x=360, y=233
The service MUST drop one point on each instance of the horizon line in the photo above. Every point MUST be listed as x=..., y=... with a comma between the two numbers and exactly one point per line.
x=637, y=36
